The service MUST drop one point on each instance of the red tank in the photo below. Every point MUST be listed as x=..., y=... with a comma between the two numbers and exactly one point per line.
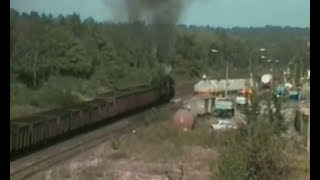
x=183, y=119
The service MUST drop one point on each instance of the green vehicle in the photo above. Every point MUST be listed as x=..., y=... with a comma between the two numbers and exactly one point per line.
x=224, y=107
x=280, y=91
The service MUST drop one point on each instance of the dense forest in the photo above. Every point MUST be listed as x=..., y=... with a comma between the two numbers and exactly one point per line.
x=57, y=61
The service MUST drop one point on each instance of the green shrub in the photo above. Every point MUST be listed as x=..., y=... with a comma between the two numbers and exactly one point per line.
x=258, y=152
x=57, y=92
x=19, y=94
x=258, y=156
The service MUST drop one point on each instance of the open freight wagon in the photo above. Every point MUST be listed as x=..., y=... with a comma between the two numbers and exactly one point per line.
x=40, y=128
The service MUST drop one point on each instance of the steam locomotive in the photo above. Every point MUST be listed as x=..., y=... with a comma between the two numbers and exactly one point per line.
x=40, y=128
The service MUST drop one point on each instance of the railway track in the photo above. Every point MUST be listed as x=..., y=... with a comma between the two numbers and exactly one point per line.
x=28, y=166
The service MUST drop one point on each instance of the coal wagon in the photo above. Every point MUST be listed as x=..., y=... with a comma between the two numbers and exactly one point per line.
x=38, y=129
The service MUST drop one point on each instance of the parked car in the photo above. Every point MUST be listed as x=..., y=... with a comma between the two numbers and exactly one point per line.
x=280, y=91
x=224, y=107
x=223, y=125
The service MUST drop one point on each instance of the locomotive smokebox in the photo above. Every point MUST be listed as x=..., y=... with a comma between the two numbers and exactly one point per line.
x=184, y=120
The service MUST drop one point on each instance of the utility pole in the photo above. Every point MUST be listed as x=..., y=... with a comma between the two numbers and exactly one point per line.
x=227, y=78
x=250, y=65
x=309, y=131
x=295, y=74
x=301, y=72
x=272, y=74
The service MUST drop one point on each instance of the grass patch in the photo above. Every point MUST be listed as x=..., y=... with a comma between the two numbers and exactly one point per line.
x=118, y=156
x=160, y=140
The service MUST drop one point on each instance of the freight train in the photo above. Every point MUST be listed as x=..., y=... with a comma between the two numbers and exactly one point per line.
x=40, y=128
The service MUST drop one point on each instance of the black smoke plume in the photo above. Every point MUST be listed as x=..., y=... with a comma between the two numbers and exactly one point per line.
x=161, y=15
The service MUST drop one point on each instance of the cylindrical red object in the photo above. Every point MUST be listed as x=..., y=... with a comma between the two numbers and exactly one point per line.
x=183, y=119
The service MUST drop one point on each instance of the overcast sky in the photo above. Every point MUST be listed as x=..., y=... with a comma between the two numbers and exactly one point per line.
x=222, y=13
